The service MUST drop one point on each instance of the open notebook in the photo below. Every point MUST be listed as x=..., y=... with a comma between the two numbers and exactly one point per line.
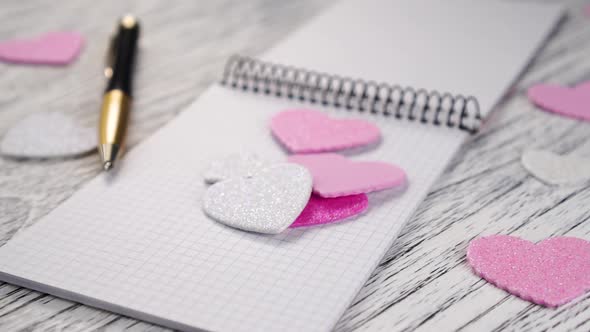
x=139, y=244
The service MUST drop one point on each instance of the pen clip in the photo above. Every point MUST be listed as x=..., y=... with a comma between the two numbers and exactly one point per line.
x=110, y=57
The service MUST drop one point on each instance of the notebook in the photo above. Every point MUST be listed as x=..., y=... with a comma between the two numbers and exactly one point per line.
x=139, y=244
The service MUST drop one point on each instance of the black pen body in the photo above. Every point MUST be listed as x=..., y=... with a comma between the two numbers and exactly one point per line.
x=125, y=49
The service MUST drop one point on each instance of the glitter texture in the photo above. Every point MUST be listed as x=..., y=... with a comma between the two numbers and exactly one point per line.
x=335, y=176
x=305, y=131
x=45, y=135
x=550, y=273
x=267, y=203
x=54, y=48
x=233, y=166
x=320, y=210
x=552, y=168
x=571, y=102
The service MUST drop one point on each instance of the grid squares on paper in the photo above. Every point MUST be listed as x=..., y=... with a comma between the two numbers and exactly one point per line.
x=142, y=242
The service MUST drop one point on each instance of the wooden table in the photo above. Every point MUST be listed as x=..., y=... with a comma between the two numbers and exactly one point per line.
x=423, y=283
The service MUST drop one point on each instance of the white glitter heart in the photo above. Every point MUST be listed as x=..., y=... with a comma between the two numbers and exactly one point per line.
x=552, y=168
x=268, y=202
x=45, y=135
x=233, y=166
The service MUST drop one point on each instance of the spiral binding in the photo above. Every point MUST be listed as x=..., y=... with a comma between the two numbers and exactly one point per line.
x=429, y=107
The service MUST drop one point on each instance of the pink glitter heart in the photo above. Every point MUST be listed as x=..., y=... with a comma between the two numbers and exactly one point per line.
x=305, y=131
x=321, y=210
x=55, y=48
x=570, y=102
x=334, y=175
x=550, y=273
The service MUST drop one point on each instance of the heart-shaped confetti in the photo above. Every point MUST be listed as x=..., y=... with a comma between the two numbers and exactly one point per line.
x=335, y=175
x=237, y=165
x=267, y=202
x=571, y=102
x=55, y=48
x=46, y=135
x=552, y=168
x=320, y=210
x=550, y=273
x=305, y=131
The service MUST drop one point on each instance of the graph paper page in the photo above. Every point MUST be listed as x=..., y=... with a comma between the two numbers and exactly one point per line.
x=138, y=243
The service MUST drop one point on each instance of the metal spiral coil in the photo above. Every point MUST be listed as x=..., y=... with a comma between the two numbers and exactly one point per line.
x=429, y=107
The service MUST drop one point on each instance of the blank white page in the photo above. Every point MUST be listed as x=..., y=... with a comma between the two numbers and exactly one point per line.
x=137, y=242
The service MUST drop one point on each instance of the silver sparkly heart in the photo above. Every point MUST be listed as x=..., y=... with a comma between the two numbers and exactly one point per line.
x=268, y=202
x=45, y=135
x=555, y=169
x=233, y=166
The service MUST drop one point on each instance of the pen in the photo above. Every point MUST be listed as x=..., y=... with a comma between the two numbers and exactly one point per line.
x=116, y=102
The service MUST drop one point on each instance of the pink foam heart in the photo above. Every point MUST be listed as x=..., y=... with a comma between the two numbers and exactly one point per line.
x=54, y=48
x=570, y=102
x=334, y=175
x=320, y=210
x=550, y=273
x=305, y=131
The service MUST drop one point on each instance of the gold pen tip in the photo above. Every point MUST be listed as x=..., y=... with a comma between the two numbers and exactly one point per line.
x=107, y=165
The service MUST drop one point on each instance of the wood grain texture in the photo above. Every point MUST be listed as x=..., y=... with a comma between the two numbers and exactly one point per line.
x=423, y=282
